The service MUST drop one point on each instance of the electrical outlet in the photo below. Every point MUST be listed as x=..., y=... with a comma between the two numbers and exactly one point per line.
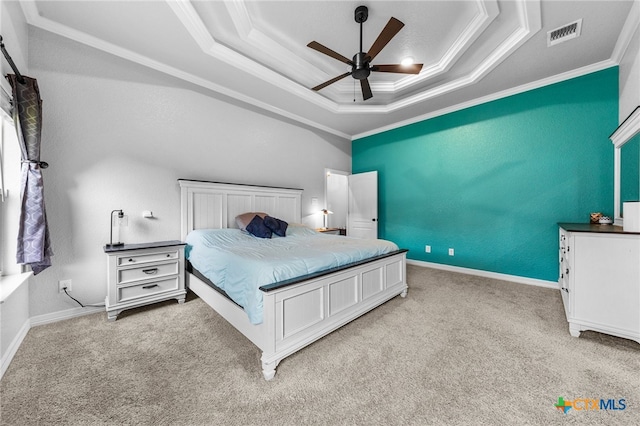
x=62, y=284
x=450, y=252
x=427, y=249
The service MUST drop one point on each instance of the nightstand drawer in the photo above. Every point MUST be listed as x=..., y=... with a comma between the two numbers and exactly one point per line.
x=147, y=272
x=147, y=257
x=147, y=289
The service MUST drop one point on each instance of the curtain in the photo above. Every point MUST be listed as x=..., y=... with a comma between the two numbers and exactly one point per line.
x=34, y=245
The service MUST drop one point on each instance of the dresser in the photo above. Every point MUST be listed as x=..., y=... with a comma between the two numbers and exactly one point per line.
x=140, y=274
x=600, y=279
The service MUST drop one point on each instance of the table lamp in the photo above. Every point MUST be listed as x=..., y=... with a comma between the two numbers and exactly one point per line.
x=111, y=223
x=325, y=215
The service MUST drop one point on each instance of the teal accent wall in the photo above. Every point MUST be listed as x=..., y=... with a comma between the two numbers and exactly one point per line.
x=630, y=171
x=492, y=181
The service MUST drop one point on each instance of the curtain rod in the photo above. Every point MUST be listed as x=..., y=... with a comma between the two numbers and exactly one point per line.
x=19, y=76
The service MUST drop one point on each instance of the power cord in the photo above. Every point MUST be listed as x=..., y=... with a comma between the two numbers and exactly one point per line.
x=84, y=306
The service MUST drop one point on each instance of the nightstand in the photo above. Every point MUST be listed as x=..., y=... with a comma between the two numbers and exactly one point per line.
x=140, y=274
x=333, y=231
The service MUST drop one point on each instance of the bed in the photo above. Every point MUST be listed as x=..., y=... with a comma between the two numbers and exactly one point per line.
x=297, y=311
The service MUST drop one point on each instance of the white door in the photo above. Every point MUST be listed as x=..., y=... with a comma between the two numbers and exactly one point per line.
x=363, y=205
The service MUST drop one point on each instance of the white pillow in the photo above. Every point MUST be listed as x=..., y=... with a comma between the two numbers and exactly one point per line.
x=242, y=220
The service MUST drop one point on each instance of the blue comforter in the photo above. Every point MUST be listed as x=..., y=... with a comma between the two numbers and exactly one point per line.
x=240, y=263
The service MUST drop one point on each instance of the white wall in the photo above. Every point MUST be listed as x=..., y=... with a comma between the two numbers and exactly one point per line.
x=118, y=136
x=630, y=71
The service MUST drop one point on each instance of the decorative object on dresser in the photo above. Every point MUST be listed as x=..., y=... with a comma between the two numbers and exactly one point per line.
x=298, y=311
x=141, y=274
x=600, y=279
x=595, y=217
x=605, y=220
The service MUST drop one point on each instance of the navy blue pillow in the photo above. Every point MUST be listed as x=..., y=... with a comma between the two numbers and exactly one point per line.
x=279, y=227
x=256, y=227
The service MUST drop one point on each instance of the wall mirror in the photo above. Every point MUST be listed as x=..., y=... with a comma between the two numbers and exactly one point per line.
x=626, y=184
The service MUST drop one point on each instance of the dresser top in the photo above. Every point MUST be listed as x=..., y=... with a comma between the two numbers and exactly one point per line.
x=155, y=244
x=595, y=228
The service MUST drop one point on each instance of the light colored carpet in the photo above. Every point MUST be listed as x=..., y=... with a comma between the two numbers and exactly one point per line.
x=458, y=350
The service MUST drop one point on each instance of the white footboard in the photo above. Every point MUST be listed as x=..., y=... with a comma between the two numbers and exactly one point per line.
x=299, y=314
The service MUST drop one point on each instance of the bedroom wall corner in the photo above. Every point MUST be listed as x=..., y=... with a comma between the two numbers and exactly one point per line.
x=14, y=30
x=630, y=66
x=118, y=135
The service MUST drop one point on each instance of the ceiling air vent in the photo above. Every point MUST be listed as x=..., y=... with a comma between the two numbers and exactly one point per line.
x=564, y=33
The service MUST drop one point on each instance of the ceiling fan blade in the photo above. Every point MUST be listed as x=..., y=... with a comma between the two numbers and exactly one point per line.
x=403, y=69
x=323, y=49
x=366, y=89
x=333, y=80
x=389, y=31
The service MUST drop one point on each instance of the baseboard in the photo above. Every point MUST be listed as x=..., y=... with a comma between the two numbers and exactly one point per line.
x=63, y=315
x=13, y=347
x=487, y=274
x=41, y=320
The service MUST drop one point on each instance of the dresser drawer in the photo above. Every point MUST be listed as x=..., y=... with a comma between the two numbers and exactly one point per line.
x=148, y=257
x=147, y=289
x=146, y=272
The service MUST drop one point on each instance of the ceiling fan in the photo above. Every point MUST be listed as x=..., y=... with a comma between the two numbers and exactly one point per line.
x=361, y=65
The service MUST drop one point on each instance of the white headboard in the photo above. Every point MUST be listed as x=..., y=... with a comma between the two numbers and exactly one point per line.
x=215, y=205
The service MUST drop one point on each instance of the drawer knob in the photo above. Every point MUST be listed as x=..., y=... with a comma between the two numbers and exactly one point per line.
x=567, y=271
x=168, y=255
x=150, y=271
x=149, y=286
x=131, y=260
x=565, y=289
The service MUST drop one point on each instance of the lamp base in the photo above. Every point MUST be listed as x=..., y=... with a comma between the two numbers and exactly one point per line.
x=113, y=245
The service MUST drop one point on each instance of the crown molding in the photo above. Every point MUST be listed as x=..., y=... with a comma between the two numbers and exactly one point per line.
x=250, y=35
x=630, y=27
x=530, y=18
x=531, y=23
x=493, y=97
x=628, y=129
x=33, y=18
x=192, y=22
x=488, y=11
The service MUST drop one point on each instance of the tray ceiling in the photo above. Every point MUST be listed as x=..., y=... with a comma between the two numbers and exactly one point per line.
x=255, y=51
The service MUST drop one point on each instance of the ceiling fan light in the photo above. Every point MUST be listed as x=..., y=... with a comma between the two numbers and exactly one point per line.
x=407, y=61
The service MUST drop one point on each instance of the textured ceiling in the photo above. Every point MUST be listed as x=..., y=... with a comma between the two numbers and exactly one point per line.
x=255, y=51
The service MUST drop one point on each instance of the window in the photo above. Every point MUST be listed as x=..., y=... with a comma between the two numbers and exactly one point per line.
x=10, y=187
